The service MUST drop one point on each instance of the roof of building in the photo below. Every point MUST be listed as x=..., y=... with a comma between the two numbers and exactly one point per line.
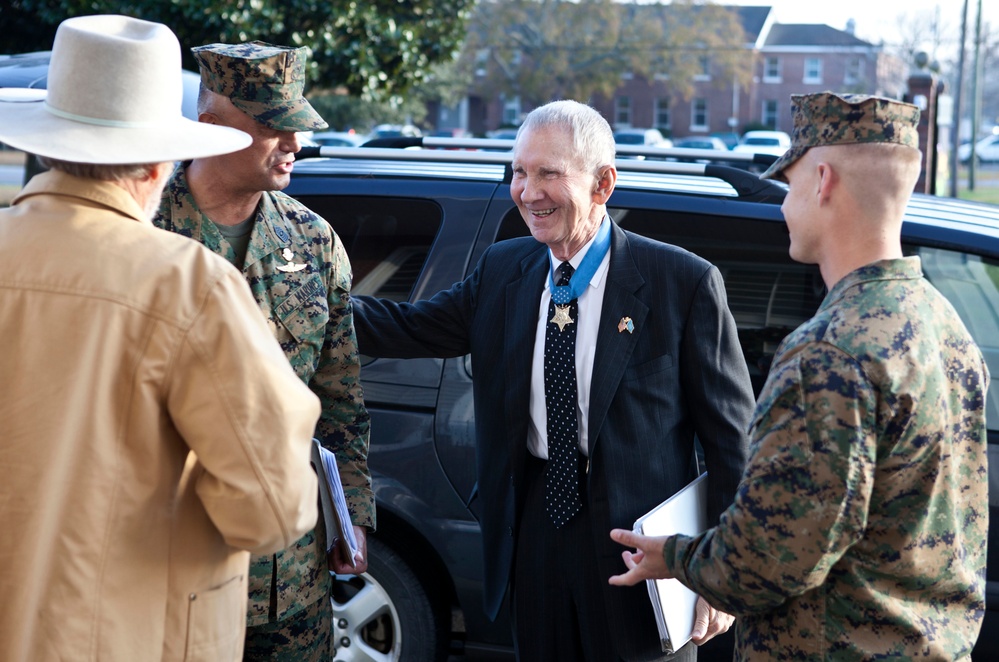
x=810, y=34
x=753, y=20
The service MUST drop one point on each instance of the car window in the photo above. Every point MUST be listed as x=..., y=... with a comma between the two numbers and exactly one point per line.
x=387, y=239
x=769, y=294
x=971, y=284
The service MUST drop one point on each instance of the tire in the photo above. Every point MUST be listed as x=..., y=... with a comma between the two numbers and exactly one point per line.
x=385, y=614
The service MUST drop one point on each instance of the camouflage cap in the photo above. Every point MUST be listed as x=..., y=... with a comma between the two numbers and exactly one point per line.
x=842, y=119
x=263, y=80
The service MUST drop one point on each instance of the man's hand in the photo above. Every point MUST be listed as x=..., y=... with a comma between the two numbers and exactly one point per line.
x=709, y=622
x=340, y=565
x=645, y=563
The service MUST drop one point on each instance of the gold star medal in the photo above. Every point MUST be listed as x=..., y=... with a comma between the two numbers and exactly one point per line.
x=561, y=317
x=291, y=267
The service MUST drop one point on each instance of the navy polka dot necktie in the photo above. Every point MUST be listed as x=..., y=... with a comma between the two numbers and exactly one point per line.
x=562, y=473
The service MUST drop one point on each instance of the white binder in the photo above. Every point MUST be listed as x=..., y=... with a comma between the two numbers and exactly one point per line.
x=685, y=513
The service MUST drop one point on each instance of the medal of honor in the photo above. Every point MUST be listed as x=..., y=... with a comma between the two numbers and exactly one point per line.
x=564, y=295
x=561, y=317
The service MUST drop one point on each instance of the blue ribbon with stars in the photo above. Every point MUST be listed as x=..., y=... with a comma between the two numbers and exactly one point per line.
x=563, y=294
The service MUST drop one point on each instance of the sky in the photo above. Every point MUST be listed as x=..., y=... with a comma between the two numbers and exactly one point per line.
x=876, y=20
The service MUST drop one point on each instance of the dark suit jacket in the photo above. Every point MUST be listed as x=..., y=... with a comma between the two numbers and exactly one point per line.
x=679, y=374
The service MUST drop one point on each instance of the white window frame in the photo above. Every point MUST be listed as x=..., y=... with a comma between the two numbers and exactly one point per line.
x=481, y=61
x=622, y=111
x=770, y=113
x=694, y=112
x=854, y=70
x=660, y=107
x=704, y=75
x=511, y=111
x=772, y=75
x=813, y=71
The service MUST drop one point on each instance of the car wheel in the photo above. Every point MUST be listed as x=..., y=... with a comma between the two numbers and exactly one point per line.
x=385, y=614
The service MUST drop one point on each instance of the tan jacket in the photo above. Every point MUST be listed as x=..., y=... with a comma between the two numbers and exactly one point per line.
x=125, y=348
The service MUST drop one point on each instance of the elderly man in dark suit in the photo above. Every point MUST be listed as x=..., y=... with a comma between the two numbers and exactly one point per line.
x=598, y=355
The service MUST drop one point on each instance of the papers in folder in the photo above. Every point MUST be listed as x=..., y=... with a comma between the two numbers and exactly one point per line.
x=339, y=530
x=685, y=512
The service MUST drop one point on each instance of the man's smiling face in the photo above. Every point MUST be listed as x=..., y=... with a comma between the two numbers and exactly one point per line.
x=556, y=197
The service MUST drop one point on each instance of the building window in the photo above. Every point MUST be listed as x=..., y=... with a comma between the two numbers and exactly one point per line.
x=699, y=115
x=813, y=71
x=704, y=68
x=511, y=111
x=661, y=113
x=854, y=71
x=771, y=70
x=481, y=61
x=770, y=113
x=622, y=111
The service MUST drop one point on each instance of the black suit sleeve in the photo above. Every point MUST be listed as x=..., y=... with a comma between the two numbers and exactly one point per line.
x=439, y=327
x=718, y=391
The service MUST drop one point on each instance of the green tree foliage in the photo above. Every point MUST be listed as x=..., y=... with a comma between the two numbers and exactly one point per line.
x=547, y=49
x=370, y=48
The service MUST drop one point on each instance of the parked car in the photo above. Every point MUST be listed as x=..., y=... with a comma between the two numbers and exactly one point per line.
x=395, y=131
x=412, y=229
x=641, y=137
x=764, y=142
x=700, y=142
x=986, y=150
x=503, y=134
x=730, y=138
x=338, y=138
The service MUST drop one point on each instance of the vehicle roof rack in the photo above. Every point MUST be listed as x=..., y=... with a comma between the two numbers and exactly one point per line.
x=675, y=161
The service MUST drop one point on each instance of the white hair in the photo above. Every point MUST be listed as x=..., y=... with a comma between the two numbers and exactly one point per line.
x=592, y=137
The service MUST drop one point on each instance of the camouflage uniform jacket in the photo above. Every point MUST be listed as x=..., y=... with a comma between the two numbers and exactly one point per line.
x=860, y=524
x=300, y=277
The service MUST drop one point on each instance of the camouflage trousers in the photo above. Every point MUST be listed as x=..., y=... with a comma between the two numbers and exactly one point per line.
x=303, y=637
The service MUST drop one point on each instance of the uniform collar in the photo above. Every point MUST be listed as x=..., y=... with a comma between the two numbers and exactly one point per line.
x=904, y=268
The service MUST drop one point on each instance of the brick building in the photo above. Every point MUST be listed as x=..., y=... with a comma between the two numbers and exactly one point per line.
x=787, y=59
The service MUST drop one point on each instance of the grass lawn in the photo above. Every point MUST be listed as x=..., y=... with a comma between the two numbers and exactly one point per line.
x=986, y=184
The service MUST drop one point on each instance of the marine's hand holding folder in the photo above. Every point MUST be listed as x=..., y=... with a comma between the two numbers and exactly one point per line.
x=680, y=614
x=339, y=529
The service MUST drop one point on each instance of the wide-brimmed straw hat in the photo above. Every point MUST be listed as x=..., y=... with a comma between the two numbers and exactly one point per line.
x=114, y=97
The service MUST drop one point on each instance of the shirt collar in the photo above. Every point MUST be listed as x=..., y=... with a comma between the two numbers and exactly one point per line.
x=578, y=257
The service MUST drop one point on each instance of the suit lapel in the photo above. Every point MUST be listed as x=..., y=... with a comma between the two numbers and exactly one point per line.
x=614, y=347
x=523, y=296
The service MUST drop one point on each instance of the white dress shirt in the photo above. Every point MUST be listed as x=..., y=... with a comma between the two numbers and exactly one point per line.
x=590, y=302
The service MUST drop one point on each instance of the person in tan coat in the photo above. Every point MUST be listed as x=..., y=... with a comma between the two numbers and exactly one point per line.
x=152, y=430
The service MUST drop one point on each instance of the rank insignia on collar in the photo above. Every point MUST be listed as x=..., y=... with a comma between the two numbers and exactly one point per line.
x=289, y=257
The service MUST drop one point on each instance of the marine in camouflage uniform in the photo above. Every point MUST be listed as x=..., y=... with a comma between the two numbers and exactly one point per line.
x=300, y=276
x=860, y=526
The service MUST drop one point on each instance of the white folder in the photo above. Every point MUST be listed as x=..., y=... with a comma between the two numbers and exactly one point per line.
x=683, y=513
